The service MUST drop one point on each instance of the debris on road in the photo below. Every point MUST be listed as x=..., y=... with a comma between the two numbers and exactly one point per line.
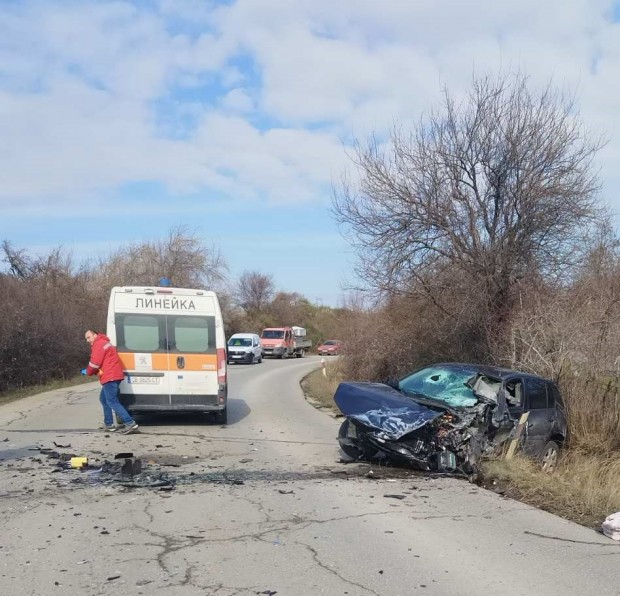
x=78, y=462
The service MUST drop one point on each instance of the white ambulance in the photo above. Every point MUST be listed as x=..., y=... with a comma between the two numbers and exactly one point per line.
x=173, y=348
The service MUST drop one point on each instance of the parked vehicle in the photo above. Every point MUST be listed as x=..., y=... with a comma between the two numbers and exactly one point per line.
x=244, y=347
x=446, y=417
x=284, y=342
x=330, y=347
x=172, y=345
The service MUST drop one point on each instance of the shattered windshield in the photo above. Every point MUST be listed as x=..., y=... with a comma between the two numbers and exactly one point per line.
x=456, y=386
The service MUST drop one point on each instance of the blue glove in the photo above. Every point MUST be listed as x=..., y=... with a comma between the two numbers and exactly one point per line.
x=83, y=371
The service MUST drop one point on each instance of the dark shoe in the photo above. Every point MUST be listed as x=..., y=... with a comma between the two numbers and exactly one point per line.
x=129, y=428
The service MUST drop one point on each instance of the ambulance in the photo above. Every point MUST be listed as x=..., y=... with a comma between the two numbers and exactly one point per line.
x=173, y=348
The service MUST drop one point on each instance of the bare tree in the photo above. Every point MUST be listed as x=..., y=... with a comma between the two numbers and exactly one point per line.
x=491, y=190
x=182, y=257
x=291, y=308
x=18, y=261
x=255, y=291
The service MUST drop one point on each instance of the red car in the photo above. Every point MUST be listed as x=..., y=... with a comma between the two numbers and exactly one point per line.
x=330, y=347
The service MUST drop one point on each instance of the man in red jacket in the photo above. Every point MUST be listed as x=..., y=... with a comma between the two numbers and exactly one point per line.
x=105, y=362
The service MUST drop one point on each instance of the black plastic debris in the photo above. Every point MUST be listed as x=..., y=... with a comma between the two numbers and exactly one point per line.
x=394, y=496
x=61, y=446
x=286, y=492
x=131, y=467
x=113, y=577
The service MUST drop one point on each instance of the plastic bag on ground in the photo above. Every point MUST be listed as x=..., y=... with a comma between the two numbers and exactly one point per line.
x=611, y=526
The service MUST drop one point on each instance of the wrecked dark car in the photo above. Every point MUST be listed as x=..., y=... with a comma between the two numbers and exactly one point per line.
x=446, y=417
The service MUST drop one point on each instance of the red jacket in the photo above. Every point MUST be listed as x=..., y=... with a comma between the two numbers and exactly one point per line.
x=104, y=360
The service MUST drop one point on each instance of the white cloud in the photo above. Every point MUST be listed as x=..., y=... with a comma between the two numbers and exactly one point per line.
x=237, y=100
x=250, y=100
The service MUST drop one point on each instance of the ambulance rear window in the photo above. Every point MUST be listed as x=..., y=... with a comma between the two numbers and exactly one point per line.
x=192, y=334
x=141, y=333
x=165, y=333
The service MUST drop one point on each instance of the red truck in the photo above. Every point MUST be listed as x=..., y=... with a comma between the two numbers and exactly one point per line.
x=284, y=342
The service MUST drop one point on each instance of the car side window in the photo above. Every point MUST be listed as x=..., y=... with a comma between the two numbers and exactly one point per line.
x=557, y=398
x=514, y=393
x=536, y=394
x=551, y=393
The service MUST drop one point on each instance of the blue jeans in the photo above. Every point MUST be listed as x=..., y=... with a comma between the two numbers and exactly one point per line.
x=109, y=401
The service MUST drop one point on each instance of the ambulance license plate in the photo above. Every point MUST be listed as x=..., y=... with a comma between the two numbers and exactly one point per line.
x=143, y=380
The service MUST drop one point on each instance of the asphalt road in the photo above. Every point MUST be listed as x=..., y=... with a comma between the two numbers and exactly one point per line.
x=261, y=506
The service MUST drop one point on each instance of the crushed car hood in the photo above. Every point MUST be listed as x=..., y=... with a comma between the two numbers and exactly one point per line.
x=383, y=408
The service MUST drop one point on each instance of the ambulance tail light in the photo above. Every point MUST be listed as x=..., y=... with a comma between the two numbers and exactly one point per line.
x=221, y=366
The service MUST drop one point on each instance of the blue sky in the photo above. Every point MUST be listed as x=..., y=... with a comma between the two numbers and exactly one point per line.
x=120, y=120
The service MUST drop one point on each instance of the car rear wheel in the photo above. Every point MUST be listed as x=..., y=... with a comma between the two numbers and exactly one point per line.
x=550, y=456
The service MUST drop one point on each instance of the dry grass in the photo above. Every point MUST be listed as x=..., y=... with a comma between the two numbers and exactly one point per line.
x=584, y=488
x=593, y=407
x=320, y=388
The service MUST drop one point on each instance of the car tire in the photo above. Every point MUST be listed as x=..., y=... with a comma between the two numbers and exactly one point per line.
x=549, y=457
x=221, y=417
x=260, y=359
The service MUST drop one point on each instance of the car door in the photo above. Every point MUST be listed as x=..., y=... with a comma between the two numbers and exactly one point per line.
x=192, y=357
x=541, y=417
x=142, y=344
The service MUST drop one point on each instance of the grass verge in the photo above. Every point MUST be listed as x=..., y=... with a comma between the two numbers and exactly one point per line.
x=584, y=488
x=15, y=394
x=320, y=385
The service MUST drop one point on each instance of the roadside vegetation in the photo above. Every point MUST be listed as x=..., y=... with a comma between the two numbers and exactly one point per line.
x=482, y=237
x=49, y=301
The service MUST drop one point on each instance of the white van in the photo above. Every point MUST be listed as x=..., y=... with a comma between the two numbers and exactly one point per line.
x=244, y=347
x=172, y=345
